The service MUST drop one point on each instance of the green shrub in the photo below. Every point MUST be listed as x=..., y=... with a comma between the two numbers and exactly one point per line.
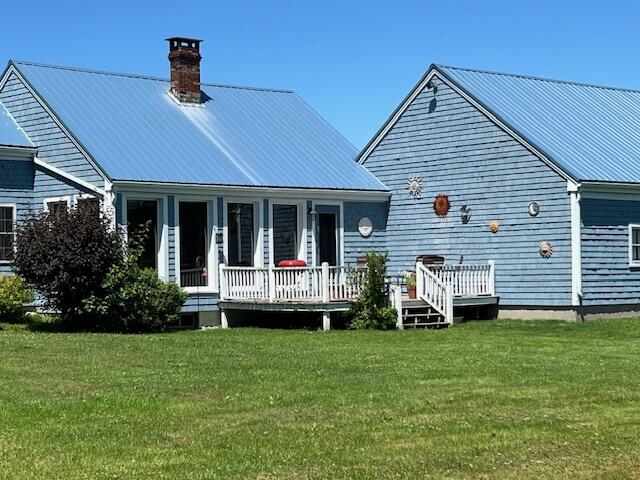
x=371, y=310
x=133, y=299
x=14, y=295
x=65, y=257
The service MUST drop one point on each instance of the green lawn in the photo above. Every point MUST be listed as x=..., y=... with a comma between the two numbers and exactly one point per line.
x=482, y=400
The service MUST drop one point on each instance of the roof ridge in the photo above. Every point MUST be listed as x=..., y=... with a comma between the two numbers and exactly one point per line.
x=542, y=79
x=142, y=77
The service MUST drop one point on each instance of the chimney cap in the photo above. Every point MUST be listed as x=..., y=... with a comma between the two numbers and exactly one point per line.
x=184, y=39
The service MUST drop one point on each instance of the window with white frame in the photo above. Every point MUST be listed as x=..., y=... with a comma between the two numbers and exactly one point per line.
x=87, y=201
x=7, y=232
x=634, y=244
x=56, y=205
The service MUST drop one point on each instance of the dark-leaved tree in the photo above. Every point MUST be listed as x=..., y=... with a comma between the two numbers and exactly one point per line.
x=66, y=256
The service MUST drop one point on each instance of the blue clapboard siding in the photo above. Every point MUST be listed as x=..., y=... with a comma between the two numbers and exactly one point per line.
x=459, y=152
x=16, y=188
x=606, y=275
x=54, y=147
x=356, y=245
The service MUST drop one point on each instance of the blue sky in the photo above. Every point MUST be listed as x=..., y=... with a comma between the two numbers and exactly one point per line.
x=352, y=61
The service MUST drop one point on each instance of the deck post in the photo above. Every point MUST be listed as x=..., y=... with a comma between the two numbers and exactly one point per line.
x=326, y=298
x=221, y=279
x=326, y=321
x=272, y=283
x=224, y=321
x=397, y=302
x=492, y=277
x=449, y=311
x=419, y=280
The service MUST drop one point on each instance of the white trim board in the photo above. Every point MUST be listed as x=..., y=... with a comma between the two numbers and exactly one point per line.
x=254, y=192
x=68, y=176
x=420, y=87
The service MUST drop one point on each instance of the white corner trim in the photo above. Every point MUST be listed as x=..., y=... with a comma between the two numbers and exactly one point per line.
x=54, y=117
x=576, y=244
x=68, y=176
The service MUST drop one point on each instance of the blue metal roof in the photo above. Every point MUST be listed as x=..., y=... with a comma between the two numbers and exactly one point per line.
x=10, y=134
x=239, y=136
x=590, y=132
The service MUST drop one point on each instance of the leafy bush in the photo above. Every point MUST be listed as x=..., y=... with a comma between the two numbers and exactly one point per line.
x=371, y=310
x=66, y=257
x=133, y=298
x=14, y=295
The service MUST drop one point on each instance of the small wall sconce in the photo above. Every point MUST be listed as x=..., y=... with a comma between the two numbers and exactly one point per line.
x=311, y=211
x=465, y=214
x=219, y=238
x=286, y=236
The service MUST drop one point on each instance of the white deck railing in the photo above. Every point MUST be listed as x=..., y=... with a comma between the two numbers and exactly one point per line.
x=291, y=284
x=435, y=292
x=439, y=284
x=470, y=280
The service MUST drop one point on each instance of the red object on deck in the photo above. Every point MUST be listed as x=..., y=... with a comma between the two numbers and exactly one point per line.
x=292, y=263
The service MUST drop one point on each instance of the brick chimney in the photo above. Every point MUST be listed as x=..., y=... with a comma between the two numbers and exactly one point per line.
x=184, y=57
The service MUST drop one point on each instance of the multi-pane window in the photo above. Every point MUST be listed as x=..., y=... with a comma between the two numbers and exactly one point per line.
x=7, y=233
x=89, y=202
x=57, y=206
x=634, y=245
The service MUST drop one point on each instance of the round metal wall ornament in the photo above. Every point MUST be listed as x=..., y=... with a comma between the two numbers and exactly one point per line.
x=534, y=209
x=441, y=205
x=415, y=187
x=494, y=226
x=545, y=249
x=365, y=227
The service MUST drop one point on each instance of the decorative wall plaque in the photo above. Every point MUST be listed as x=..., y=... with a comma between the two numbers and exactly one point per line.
x=365, y=227
x=494, y=226
x=545, y=249
x=441, y=205
x=534, y=209
x=415, y=187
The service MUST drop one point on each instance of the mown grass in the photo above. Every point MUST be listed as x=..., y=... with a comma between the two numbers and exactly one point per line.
x=482, y=400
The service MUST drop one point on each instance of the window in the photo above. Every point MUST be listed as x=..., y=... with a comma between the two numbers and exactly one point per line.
x=194, y=244
x=285, y=233
x=142, y=217
x=634, y=245
x=56, y=205
x=7, y=233
x=242, y=241
x=89, y=202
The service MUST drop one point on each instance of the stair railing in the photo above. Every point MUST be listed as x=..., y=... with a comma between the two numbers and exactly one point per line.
x=435, y=292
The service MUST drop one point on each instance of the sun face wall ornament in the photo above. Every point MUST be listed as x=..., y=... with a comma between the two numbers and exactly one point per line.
x=494, y=226
x=441, y=205
x=415, y=187
x=545, y=249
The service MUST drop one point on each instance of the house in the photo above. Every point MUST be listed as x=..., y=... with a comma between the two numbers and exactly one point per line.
x=540, y=176
x=495, y=189
x=233, y=180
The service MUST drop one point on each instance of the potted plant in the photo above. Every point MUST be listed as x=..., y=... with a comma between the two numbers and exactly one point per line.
x=410, y=281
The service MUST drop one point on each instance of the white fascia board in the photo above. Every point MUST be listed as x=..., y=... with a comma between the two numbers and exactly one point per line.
x=54, y=117
x=68, y=176
x=420, y=87
x=26, y=153
x=168, y=188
